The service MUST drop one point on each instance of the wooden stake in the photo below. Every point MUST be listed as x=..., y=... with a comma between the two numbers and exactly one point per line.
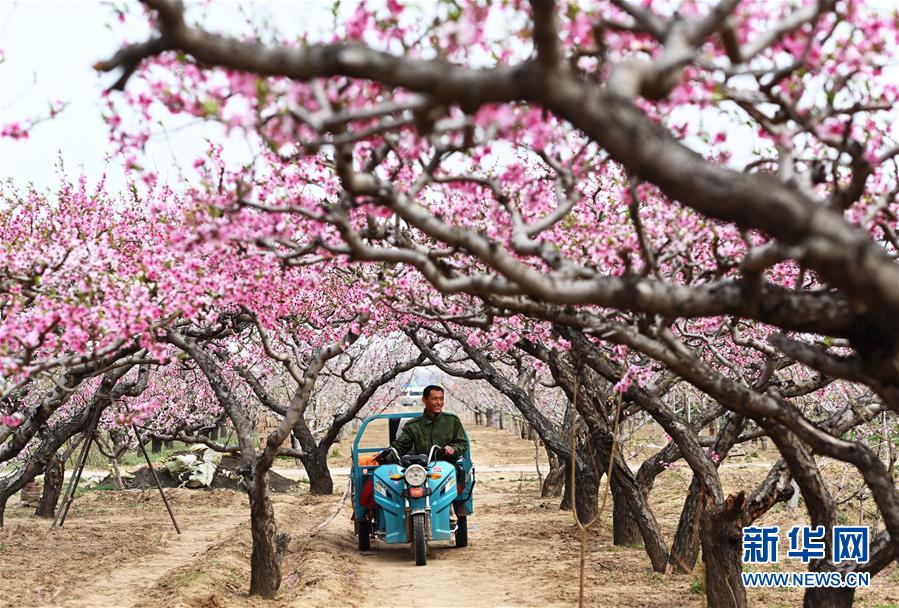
x=76, y=475
x=155, y=478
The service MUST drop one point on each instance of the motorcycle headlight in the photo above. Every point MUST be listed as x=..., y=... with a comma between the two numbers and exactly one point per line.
x=416, y=475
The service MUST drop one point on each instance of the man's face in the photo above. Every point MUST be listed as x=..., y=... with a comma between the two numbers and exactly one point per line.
x=433, y=403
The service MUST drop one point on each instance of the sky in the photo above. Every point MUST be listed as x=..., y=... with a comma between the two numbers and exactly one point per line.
x=48, y=50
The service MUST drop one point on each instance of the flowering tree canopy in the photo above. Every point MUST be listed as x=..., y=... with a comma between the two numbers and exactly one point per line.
x=553, y=155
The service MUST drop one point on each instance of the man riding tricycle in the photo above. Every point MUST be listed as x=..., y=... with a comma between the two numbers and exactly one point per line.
x=406, y=492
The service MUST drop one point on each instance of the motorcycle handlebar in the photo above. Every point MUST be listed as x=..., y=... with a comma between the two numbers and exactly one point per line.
x=436, y=451
x=382, y=455
x=431, y=453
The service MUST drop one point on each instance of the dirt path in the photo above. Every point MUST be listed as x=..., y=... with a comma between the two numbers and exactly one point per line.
x=114, y=546
x=123, y=586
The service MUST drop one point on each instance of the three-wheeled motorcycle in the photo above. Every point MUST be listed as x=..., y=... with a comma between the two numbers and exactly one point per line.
x=410, y=502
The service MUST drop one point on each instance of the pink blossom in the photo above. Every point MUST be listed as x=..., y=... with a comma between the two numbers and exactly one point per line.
x=11, y=421
x=15, y=130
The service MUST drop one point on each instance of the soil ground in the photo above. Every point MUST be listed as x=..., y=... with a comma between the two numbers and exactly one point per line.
x=119, y=549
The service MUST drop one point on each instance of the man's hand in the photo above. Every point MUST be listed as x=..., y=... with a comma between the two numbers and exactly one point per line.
x=382, y=456
x=449, y=451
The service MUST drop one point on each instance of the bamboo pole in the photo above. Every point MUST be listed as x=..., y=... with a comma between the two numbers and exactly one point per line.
x=584, y=528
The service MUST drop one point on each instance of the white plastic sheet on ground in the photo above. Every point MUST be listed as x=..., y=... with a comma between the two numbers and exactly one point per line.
x=195, y=469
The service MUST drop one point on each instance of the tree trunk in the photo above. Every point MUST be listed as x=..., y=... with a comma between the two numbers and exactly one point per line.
x=565, y=505
x=117, y=474
x=625, y=531
x=554, y=481
x=501, y=427
x=587, y=494
x=586, y=489
x=316, y=464
x=638, y=510
x=627, y=492
x=489, y=418
x=721, y=535
x=685, y=547
x=17, y=480
x=314, y=459
x=54, y=473
x=828, y=597
x=268, y=545
x=523, y=429
x=155, y=446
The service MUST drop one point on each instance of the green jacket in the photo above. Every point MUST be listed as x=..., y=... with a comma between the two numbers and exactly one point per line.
x=421, y=433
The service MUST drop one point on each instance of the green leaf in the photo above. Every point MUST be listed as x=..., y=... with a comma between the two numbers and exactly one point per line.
x=211, y=107
x=261, y=91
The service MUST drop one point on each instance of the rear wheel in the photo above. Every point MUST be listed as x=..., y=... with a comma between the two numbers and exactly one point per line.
x=419, y=540
x=462, y=531
x=364, y=535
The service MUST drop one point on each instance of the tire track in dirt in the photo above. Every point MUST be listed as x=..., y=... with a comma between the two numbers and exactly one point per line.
x=123, y=586
x=492, y=571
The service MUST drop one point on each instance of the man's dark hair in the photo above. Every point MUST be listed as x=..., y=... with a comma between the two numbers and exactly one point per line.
x=430, y=389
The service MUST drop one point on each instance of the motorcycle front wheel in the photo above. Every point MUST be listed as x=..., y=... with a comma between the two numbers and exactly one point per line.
x=419, y=539
x=364, y=535
x=462, y=531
